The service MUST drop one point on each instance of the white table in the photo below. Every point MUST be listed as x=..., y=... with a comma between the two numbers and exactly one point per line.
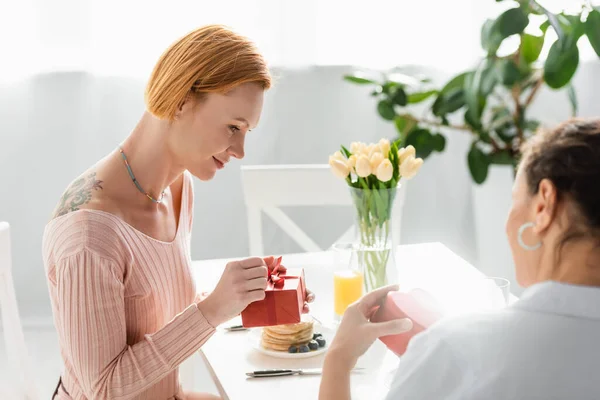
x=228, y=355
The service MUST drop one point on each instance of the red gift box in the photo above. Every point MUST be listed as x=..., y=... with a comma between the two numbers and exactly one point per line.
x=284, y=299
x=418, y=305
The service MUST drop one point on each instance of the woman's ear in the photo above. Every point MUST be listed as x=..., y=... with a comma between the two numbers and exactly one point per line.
x=188, y=103
x=545, y=206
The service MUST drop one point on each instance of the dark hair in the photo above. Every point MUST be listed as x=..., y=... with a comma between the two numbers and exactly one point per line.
x=569, y=156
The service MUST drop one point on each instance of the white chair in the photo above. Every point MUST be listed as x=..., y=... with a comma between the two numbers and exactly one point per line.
x=19, y=365
x=268, y=187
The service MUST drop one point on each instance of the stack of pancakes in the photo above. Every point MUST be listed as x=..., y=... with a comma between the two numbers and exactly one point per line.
x=281, y=337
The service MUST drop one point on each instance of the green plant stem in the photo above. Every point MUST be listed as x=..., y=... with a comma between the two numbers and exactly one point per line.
x=534, y=90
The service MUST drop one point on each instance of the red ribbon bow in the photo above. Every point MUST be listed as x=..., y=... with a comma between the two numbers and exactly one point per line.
x=277, y=273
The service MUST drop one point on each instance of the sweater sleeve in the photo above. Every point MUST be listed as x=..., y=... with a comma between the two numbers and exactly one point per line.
x=90, y=294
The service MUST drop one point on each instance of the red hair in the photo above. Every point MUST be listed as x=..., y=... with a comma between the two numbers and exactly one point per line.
x=211, y=59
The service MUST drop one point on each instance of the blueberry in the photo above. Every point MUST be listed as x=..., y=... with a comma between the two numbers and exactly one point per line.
x=304, y=349
x=316, y=335
x=321, y=342
x=293, y=349
x=313, y=345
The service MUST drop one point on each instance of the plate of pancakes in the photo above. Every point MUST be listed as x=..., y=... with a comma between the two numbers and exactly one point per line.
x=302, y=340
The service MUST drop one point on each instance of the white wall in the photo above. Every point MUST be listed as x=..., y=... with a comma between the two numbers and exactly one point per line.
x=54, y=126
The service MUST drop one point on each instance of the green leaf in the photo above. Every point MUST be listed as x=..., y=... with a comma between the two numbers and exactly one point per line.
x=473, y=98
x=511, y=22
x=592, y=30
x=386, y=110
x=394, y=160
x=455, y=83
x=401, y=78
x=572, y=99
x=388, y=87
x=475, y=124
x=531, y=47
x=400, y=97
x=501, y=157
x=561, y=65
x=419, y=97
x=358, y=80
x=404, y=124
x=449, y=103
x=422, y=140
x=346, y=152
x=506, y=135
x=503, y=125
x=489, y=80
x=508, y=72
x=478, y=164
x=438, y=142
x=490, y=38
x=532, y=125
x=485, y=137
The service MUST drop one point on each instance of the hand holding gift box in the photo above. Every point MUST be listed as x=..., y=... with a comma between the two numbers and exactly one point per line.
x=284, y=300
x=417, y=305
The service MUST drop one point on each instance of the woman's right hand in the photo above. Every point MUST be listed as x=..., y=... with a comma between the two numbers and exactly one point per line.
x=243, y=282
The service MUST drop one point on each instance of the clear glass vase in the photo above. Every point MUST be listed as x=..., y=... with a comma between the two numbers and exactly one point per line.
x=375, y=242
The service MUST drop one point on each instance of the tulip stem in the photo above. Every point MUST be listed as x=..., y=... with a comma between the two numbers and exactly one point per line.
x=373, y=222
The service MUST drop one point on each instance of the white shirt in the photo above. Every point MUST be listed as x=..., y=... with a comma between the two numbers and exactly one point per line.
x=545, y=346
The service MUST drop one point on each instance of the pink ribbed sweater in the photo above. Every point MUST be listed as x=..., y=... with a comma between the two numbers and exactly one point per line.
x=123, y=305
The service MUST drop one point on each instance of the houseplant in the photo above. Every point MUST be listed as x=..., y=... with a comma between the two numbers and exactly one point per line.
x=492, y=100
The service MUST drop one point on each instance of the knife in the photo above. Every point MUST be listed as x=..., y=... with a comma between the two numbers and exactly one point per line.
x=266, y=373
x=235, y=328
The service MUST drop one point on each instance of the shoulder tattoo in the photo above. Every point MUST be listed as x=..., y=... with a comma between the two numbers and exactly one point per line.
x=78, y=194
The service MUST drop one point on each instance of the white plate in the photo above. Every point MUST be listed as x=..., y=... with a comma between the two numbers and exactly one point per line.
x=255, y=334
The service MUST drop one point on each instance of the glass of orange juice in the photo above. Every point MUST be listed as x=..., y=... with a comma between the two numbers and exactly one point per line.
x=347, y=279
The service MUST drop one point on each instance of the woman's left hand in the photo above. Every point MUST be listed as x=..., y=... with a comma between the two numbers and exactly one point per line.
x=310, y=297
x=356, y=333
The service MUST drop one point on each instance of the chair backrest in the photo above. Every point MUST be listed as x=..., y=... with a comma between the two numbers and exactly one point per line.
x=268, y=187
x=16, y=350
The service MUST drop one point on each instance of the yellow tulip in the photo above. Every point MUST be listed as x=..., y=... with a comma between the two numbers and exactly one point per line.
x=356, y=147
x=352, y=161
x=384, y=146
x=385, y=170
x=376, y=159
x=410, y=167
x=363, y=166
x=338, y=156
x=405, y=152
x=339, y=168
x=367, y=150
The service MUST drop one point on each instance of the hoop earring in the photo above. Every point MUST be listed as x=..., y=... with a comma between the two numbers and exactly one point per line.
x=520, y=237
